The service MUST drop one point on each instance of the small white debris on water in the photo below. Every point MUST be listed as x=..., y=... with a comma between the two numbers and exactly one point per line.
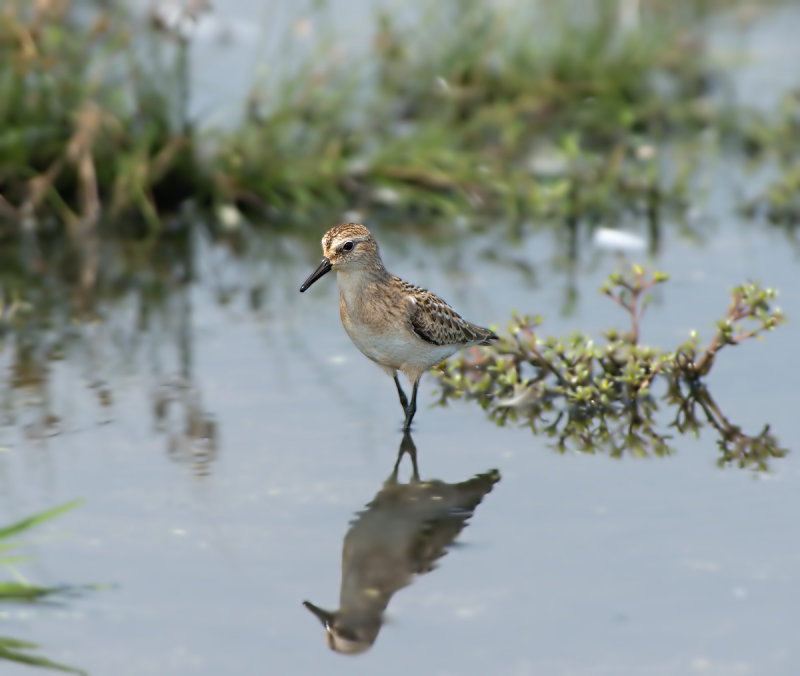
x=645, y=152
x=618, y=240
x=229, y=217
x=548, y=161
x=386, y=195
x=302, y=29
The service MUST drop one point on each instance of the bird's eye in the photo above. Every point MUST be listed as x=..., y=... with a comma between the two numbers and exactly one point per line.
x=347, y=246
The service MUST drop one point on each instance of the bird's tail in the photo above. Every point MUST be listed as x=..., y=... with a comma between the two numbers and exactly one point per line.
x=490, y=336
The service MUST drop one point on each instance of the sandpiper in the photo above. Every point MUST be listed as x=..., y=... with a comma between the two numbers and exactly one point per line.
x=399, y=326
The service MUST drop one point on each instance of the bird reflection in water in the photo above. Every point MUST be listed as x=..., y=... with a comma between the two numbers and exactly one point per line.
x=401, y=533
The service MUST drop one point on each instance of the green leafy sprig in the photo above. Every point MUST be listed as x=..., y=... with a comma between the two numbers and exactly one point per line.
x=593, y=396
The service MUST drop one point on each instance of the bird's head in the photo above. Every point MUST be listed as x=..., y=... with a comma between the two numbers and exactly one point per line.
x=345, y=247
x=340, y=637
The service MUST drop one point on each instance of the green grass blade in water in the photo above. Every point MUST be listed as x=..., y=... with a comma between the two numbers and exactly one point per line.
x=33, y=521
x=14, y=650
x=21, y=592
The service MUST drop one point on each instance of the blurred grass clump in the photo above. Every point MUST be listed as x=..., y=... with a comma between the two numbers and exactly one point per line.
x=527, y=109
x=773, y=138
x=86, y=126
x=19, y=590
x=547, y=110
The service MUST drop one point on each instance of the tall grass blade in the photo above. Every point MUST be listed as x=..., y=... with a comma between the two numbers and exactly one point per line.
x=33, y=521
x=14, y=650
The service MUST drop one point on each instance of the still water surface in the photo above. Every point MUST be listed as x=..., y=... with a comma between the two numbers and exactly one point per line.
x=572, y=564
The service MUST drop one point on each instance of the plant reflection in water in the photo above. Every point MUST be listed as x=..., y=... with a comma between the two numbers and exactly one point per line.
x=402, y=532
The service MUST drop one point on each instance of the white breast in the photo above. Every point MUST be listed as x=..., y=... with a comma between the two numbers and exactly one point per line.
x=387, y=339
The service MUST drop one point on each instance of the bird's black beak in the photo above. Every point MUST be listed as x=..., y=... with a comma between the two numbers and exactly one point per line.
x=323, y=268
x=324, y=616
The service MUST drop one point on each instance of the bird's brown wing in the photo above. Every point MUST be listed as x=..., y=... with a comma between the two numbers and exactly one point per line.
x=435, y=322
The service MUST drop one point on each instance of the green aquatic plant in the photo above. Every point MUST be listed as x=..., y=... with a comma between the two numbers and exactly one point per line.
x=20, y=590
x=87, y=126
x=473, y=106
x=593, y=395
x=520, y=110
x=770, y=140
x=14, y=650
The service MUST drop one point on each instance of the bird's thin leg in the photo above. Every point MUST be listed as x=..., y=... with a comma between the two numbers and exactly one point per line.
x=407, y=446
x=412, y=408
x=401, y=394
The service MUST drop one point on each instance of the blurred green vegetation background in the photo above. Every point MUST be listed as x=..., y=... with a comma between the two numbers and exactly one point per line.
x=552, y=111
